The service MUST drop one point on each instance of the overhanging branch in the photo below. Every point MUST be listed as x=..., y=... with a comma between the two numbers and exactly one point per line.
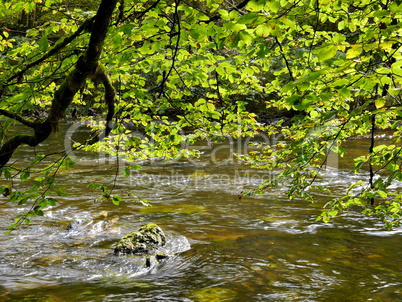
x=110, y=96
x=85, y=26
x=85, y=66
x=18, y=118
x=42, y=132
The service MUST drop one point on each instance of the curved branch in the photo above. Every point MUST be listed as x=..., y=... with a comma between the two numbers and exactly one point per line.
x=110, y=96
x=18, y=118
x=175, y=49
x=85, y=26
x=85, y=66
x=285, y=59
x=42, y=132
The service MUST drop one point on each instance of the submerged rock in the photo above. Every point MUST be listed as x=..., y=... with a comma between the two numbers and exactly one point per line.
x=146, y=240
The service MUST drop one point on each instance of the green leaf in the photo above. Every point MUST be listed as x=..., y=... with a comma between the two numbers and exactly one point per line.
x=19, y=97
x=288, y=22
x=116, y=200
x=224, y=14
x=263, y=30
x=314, y=114
x=136, y=166
x=312, y=76
x=254, y=6
x=126, y=172
x=341, y=25
x=381, y=13
x=43, y=204
x=248, y=18
x=7, y=174
x=24, y=176
x=32, y=32
x=397, y=71
x=51, y=201
x=338, y=38
x=43, y=43
x=246, y=37
x=333, y=213
x=326, y=52
x=379, y=148
x=39, y=213
x=380, y=102
x=273, y=6
x=393, y=167
x=354, y=51
x=23, y=201
x=199, y=32
x=382, y=194
x=324, y=217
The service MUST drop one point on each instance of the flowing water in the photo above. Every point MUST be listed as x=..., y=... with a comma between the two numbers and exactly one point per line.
x=222, y=247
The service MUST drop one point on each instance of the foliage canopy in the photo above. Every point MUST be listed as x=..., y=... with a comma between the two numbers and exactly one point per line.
x=180, y=71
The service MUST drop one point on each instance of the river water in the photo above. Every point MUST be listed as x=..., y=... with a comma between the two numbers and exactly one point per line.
x=222, y=247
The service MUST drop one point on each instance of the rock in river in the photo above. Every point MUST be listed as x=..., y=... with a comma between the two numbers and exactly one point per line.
x=146, y=240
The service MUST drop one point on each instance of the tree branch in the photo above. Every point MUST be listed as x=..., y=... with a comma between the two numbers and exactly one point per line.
x=110, y=96
x=42, y=132
x=237, y=7
x=18, y=118
x=285, y=59
x=371, y=149
x=86, y=25
x=85, y=66
x=139, y=15
x=175, y=48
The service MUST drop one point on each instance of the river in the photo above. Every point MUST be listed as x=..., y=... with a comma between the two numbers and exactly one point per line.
x=222, y=247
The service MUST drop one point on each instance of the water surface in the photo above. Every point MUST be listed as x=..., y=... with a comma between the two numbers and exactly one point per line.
x=223, y=248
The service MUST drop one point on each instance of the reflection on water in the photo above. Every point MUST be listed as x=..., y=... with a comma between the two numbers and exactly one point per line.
x=257, y=248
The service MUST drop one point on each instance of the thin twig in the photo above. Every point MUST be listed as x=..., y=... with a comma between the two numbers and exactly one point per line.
x=371, y=149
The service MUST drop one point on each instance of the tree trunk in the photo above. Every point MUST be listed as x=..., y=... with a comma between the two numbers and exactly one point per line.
x=64, y=95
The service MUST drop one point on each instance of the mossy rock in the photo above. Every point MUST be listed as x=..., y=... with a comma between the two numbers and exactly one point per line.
x=146, y=240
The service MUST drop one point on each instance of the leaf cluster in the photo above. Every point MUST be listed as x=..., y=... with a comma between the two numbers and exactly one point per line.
x=174, y=72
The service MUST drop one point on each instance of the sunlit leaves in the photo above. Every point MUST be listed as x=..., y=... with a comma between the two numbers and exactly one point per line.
x=306, y=83
x=354, y=51
x=255, y=5
x=332, y=64
x=116, y=200
x=43, y=43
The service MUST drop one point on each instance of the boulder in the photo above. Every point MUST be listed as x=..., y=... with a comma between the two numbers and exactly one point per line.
x=147, y=240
